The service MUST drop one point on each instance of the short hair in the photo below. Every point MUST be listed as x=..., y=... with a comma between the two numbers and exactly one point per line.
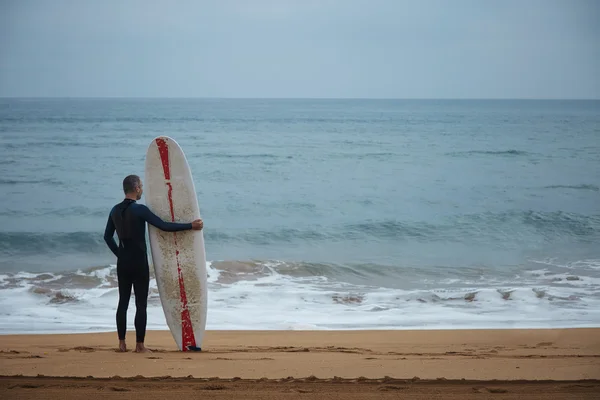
x=130, y=183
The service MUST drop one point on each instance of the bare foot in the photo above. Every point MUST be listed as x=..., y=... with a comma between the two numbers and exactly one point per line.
x=122, y=346
x=140, y=348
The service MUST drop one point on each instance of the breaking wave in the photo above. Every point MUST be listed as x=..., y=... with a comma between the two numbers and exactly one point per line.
x=281, y=295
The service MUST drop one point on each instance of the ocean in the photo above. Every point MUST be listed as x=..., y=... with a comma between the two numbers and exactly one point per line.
x=319, y=214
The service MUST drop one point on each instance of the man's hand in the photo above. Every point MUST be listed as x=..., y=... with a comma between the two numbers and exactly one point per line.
x=197, y=224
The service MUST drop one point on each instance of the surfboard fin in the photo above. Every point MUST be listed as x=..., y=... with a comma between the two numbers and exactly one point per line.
x=194, y=348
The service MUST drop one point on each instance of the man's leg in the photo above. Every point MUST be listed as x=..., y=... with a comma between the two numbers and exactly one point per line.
x=141, y=286
x=125, y=283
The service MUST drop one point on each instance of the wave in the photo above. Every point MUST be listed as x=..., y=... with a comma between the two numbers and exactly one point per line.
x=261, y=156
x=334, y=277
x=60, y=143
x=482, y=226
x=474, y=228
x=54, y=182
x=281, y=295
x=241, y=156
x=26, y=243
x=63, y=212
x=510, y=152
x=383, y=155
x=575, y=187
x=581, y=274
x=87, y=119
x=560, y=223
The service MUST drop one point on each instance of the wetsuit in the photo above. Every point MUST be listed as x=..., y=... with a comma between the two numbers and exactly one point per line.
x=129, y=219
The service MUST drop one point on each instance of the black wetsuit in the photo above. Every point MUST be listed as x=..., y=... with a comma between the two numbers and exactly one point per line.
x=129, y=219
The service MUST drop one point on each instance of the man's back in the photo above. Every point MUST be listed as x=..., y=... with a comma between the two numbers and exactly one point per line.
x=128, y=219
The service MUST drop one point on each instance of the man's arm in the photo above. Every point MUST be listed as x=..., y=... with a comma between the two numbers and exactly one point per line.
x=153, y=219
x=109, y=232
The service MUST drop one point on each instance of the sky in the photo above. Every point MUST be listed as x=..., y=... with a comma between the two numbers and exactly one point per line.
x=300, y=48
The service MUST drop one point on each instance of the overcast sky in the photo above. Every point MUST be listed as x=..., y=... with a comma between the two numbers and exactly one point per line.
x=301, y=48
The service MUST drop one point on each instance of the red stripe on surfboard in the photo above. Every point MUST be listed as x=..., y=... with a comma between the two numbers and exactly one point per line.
x=187, y=330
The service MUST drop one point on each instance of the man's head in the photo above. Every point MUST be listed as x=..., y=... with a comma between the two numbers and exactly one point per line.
x=132, y=186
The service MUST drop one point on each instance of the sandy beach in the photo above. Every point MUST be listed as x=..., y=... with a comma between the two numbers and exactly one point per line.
x=553, y=363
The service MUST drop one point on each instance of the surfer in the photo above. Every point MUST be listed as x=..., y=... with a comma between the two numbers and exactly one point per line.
x=129, y=219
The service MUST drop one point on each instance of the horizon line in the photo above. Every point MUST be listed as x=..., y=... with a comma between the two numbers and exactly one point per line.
x=304, y=98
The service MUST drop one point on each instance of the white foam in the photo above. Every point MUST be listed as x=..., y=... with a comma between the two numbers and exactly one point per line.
x=590, y=264
x=276, y=301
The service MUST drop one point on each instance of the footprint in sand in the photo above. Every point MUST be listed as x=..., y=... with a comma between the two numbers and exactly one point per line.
x=211, y=387
x=389, y=388
x=297, y=390
x=83, y=348
x=120, y=389
x=25, y=386
x=489, y=390
x=544, y=344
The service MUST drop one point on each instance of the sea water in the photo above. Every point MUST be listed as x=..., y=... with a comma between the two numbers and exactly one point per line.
x=319, y=214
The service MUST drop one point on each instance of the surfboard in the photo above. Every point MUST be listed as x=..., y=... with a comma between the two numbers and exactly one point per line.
x=178, y=258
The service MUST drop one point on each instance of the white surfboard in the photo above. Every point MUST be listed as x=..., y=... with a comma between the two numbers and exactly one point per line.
x=179, y=258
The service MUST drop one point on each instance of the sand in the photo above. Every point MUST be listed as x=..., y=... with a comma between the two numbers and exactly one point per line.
x=536, y=364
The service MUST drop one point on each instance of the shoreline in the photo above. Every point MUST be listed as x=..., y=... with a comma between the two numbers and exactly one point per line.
x=443, y=328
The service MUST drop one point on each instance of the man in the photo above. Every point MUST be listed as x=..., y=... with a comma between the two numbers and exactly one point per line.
x=129, y=219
